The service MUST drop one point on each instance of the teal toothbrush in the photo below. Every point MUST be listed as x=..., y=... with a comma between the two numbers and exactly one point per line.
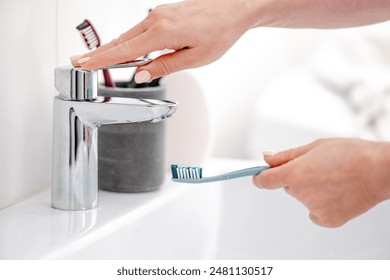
x=193, y=175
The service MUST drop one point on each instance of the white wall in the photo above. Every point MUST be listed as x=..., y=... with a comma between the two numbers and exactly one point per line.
x=39, y=35
x=27, y=59
x=262, y=61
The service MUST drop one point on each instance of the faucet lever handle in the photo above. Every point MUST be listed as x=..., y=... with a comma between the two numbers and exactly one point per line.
x=80, y=84
x=76, y=83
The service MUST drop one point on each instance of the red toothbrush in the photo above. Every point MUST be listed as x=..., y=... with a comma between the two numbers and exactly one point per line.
x=92, y=41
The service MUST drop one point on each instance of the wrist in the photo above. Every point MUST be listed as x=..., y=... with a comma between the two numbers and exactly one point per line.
x=254, y=13
x=314, y=14
x=245, y=14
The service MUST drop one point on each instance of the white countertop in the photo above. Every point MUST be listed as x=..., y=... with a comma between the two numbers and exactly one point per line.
x=31, y=229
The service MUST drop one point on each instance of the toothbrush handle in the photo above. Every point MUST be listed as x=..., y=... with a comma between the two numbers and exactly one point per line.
x=251, y=171
x=107, y=79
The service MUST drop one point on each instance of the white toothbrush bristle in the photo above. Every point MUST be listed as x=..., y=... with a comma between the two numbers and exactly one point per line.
x=188, y=173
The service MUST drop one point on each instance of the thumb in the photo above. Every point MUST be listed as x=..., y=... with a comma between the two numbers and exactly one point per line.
x=163, y=66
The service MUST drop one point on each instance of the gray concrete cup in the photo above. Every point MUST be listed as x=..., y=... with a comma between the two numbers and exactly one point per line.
x=131, y=156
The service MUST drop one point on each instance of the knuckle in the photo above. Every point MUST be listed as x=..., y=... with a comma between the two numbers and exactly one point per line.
x=120, y=39
x=148, y=21
x=124, y=48
x=161, y=11
x=163, y=68
x=154, y=14
x=326, y=220
x=317, y=218
x=161, y=26
x=288, y=154
x=143, y=25
x=115, y=42
x=192, y=58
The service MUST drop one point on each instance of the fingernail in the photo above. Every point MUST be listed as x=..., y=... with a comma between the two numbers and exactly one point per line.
x=83, y=60
x=75, y=57
x=268, y=153
x=142, y=76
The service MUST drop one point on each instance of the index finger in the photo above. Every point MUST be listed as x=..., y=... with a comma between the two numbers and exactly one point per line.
x=128, y=35
x=293, y=153
x=125, y=51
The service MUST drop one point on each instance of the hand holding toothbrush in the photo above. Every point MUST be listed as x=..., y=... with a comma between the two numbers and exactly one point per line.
x=336, y=179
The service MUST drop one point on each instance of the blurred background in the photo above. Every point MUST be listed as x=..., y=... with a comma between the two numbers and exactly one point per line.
x=274, y=89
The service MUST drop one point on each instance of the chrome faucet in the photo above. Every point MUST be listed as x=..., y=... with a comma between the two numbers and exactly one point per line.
x=78, y=112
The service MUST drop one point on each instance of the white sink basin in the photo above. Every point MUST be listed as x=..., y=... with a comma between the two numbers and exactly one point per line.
x=228, y=220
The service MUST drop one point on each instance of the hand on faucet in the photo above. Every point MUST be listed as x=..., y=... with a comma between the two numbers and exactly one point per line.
x=201, y=31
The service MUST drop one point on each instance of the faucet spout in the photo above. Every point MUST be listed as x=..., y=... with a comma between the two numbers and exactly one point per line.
x=75, y=137
x=117, y=110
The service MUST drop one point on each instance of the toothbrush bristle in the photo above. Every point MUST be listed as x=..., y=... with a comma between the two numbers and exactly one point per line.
x=89, y=35
x=186, y=172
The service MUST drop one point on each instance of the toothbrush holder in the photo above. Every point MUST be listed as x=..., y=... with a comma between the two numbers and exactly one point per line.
x=131, y=156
